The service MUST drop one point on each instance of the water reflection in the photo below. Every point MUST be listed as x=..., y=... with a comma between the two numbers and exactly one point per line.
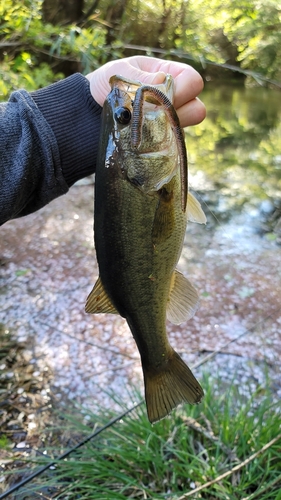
x=237, y=149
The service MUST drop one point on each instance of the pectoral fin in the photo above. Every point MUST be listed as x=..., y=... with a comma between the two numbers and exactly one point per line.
x=98, y=300
x=194, y=210
x=183, y=301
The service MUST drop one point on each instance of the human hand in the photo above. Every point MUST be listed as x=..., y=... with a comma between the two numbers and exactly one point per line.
x=150, y=70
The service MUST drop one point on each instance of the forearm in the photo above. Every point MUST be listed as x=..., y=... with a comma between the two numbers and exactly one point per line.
x=48, y=140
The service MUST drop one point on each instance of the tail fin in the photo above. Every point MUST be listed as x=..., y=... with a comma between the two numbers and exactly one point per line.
x=166, y=389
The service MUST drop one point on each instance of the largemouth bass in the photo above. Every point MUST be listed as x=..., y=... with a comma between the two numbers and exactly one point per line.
x=141, y=212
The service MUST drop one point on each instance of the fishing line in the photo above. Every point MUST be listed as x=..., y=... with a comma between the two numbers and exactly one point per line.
x=222, y=227
x=220, y=223
x=93, y=344
x=218, y=350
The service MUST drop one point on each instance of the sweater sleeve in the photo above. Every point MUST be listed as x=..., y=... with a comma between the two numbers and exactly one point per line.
x=48, y=141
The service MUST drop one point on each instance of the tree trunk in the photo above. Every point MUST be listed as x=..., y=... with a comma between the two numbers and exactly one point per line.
x=163, y=24
x=62, y=11
x=114, y=17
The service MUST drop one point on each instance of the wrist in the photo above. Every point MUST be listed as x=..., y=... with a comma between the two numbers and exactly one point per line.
x=74, y=117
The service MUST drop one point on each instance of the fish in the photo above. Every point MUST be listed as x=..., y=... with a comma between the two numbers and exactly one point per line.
x=141, y=209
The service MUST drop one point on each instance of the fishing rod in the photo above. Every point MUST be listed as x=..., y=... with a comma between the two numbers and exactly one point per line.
x=66, y=453
x=113, y=421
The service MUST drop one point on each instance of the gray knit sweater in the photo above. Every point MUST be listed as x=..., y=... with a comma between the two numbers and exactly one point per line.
x=48, y=140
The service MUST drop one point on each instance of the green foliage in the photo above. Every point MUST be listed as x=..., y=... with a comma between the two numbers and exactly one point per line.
x=32, y=51
x=237, y=147
x=133, y=459
x=36, y=53
x=246, y=33
x=21, y=72
x=4, y=442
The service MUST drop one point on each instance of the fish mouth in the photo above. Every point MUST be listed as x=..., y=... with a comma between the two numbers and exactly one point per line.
x=150, y=93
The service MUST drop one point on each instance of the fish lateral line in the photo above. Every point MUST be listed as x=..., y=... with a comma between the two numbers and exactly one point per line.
x=159, y=98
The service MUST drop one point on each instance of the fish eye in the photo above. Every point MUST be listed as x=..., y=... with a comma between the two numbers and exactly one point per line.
x=123, y=116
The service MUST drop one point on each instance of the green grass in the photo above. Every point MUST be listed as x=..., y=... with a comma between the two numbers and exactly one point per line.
x=133, y=459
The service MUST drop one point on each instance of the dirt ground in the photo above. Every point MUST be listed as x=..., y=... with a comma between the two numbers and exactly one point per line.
x=48, y=267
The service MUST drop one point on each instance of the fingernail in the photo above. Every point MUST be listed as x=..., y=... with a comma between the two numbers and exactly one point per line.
x=158, y=78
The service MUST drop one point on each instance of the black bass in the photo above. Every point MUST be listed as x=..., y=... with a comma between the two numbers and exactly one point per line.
x=141, y=210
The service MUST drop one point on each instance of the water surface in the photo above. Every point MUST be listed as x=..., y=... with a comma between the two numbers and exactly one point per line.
x=235, y=154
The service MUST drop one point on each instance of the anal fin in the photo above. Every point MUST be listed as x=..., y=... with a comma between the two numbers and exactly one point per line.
x=167, y=388
x=183, y=300
x=98, y=300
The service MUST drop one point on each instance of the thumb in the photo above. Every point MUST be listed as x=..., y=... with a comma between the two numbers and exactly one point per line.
x=150, y=78
x=99, y=79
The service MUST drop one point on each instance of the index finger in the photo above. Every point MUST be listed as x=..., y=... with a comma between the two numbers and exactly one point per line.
x=188, y=83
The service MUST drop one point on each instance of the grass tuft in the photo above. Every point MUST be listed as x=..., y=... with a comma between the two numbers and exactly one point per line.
x=170, y=459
